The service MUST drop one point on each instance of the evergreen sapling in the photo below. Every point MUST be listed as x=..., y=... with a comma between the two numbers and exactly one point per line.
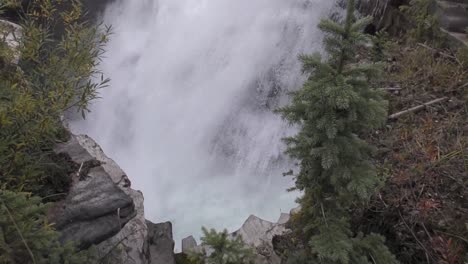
x=334, y=107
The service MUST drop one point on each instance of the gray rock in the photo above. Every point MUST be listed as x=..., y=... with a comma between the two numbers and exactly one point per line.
x=256, y=231
x=160, y=243
x=259, y=234
x=283, y=219
x=101, y=208
x=128, y=246
x=95, y=209
x=453, y=15
x=188, y=244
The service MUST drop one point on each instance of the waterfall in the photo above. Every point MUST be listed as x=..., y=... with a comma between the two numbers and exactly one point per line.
x=189, y=115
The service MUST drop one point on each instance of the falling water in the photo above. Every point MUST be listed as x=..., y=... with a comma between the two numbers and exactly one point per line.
x=189, y=114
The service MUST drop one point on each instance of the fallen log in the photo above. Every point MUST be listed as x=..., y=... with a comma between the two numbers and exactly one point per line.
x=417, y=108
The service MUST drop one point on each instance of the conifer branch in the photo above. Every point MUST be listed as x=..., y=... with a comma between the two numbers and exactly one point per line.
x=19, y=231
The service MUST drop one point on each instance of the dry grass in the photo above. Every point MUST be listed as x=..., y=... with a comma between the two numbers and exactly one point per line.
x=423, y=209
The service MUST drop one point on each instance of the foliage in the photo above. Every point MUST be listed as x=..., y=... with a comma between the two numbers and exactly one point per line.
x=380, y=43
x=423, y=152
x=54, y=74
x=222, y=249
x=425, y=24
x=26, y=237
x=334, y=107
x=182, y=258
x=46, y=69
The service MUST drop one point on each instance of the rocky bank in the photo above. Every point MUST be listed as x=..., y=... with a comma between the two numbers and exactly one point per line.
x=102, y=210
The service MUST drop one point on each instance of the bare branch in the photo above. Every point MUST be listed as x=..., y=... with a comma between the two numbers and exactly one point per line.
x=417, y=108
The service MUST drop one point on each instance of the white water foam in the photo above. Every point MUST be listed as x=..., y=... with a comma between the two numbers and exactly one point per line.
x=189, y=114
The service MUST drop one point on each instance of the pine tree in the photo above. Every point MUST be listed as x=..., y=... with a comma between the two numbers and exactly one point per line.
x=334, y=108
x=220, y=248
x=26, y=237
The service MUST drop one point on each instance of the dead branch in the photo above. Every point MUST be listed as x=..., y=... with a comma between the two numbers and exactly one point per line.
x=390, y=89
x=438, y=51
x=415, y=237
x=417, y=108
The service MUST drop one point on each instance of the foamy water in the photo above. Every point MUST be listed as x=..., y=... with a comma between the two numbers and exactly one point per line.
x=189, y=115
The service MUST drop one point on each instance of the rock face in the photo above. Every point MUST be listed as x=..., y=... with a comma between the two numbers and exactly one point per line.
x=94, y=210
x=101, y=209
x=160, y=247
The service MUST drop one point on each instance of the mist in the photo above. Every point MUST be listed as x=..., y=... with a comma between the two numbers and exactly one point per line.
x=189, y=113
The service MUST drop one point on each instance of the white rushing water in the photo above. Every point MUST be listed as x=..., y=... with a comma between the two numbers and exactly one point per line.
x=189, y=115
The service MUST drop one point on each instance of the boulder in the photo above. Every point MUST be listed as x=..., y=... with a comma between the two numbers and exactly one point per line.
x=188, y=244
x=256, y=231
x=160, y=247
x=259, y=233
